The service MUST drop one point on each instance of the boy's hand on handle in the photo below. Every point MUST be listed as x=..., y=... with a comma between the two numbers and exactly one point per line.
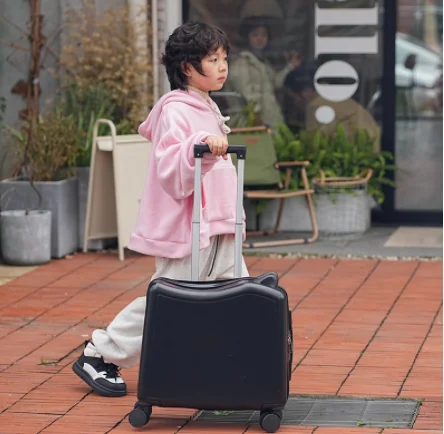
x=218, y=146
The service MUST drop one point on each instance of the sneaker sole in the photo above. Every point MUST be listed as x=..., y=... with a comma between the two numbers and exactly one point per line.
x=95, y=386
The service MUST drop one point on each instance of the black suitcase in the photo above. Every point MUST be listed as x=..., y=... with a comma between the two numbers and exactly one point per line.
x=219, y=345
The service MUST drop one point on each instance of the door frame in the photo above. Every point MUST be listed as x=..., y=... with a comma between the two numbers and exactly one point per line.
x=388, y=212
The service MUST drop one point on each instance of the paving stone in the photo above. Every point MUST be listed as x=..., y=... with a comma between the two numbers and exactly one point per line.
x=362, y=328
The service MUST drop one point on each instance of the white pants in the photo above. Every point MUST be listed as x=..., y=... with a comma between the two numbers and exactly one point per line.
x=121, y=342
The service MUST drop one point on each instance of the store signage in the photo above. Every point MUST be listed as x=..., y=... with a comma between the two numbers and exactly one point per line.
x=341, y=45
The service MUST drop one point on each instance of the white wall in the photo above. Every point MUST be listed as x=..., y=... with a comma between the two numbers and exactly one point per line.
x=172, y=20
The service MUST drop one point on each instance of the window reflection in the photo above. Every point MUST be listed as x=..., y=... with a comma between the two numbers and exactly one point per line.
x=253, y=76
x=274, y=46
x=419, y=93
x=273, y=63
x=267, y=38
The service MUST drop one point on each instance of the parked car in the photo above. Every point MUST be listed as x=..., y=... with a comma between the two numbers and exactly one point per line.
x=418, y=78
x=426, y=68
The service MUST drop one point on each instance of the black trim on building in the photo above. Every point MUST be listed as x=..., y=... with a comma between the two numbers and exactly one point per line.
x=390, y=25
x=185, y=10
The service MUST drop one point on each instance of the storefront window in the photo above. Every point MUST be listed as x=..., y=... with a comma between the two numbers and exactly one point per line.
x=311, y=64
x=419, y=88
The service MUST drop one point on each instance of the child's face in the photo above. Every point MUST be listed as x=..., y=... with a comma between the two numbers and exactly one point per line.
x=215, y=68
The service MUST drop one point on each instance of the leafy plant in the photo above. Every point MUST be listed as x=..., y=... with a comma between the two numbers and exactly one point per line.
x=247, y=116
x=54, y=149
x=336, y=155
x=85, y=105
x=101, y=49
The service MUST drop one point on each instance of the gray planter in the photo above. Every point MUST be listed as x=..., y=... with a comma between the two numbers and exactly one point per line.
x=83, y=177
x=26, y=238
x=348, y=216
x=294, y=218
x=344, y=215
x=59, y=197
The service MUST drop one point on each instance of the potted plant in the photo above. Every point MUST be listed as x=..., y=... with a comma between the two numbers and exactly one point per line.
x=25, y=235
x=47, y=148
x=336, y=156
x=85, y=105
x=350, y=177
x=105, y=74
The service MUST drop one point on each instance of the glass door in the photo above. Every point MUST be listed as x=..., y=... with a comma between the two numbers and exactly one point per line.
x=419, y=110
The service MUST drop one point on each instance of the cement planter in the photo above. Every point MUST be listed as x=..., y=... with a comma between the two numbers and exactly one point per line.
x=25, y=237
x=59, y=197
x=295, y=217
x=344, y=215
x=83, y=184
x=347, y=216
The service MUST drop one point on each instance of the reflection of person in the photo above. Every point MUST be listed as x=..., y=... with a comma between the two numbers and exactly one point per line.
x=252, y=76
x=305, y=102
x=196, y=64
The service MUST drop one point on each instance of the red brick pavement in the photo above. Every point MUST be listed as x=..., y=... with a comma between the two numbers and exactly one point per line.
x=362, y=328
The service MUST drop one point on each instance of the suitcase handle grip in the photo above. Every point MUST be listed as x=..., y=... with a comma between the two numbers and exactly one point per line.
x=239, y=150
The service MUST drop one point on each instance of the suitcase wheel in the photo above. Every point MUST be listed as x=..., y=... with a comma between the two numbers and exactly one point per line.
x=270, y=421
x=140, y=416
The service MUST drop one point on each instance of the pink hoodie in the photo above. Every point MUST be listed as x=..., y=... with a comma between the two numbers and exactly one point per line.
x=178, y=121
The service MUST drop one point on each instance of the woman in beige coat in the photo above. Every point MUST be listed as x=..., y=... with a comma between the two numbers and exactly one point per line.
x=254, y=78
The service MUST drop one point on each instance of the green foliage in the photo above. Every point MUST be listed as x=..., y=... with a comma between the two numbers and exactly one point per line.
x=54, y=149
x=250, y=116
x=85, y=105
x=336, y=155
x=246, y=118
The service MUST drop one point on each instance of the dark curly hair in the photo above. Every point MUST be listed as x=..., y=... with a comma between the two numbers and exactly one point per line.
x=188, y=45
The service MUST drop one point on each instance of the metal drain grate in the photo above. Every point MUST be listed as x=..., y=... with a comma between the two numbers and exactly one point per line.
x=389, y=413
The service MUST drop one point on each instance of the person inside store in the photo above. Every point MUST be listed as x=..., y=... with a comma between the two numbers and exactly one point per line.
x=253, y=76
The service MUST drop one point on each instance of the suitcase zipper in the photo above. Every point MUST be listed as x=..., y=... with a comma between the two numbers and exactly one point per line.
x=214, y=257
x=290, y=344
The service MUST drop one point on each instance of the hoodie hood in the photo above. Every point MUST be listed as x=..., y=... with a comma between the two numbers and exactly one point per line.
x=146, y=129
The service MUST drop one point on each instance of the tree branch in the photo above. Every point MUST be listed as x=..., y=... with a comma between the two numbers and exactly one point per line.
x=13, y=45
x=47, y=46
x=7, y=20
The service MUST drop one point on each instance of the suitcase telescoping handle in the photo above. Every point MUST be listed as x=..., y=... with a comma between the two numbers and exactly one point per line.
x=199, y=151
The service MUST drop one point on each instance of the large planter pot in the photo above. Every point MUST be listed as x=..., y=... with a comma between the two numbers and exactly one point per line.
x=343, y=215
x=59, y=197
x=343, y=205
x=25, y=237
x=295, y=216
x=83, y=185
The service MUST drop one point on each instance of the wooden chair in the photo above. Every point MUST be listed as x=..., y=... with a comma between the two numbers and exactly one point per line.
x=263, y=180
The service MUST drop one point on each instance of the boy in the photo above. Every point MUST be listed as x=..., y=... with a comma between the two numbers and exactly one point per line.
x=196, y=63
